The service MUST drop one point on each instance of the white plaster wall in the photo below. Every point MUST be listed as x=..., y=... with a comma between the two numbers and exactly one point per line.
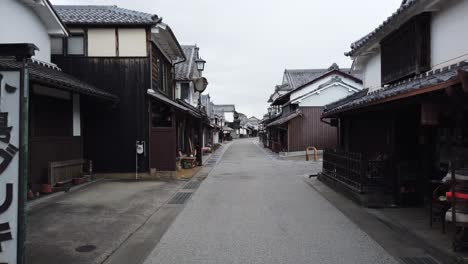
x=448, y=34
x=21, y=25
x=327, y=96
x=132, y=42
x=101, y=42
x=229, y=116
x=315, y=85
x=372, y=77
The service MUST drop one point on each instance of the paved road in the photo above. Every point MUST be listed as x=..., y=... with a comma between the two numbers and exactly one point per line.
x=256, y=209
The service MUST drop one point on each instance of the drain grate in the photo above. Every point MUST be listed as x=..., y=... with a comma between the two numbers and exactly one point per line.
x=85, y=248
x=192, y=185
x=419, y=260
x=180, y=198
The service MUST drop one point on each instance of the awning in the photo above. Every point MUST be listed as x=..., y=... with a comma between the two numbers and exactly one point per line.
x=51, y=75
x=285, y=119
x=192, y=110
x=166, y=100
x=421, y=84
x=227, y=129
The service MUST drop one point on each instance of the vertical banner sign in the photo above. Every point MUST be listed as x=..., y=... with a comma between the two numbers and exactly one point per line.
x=9, y=164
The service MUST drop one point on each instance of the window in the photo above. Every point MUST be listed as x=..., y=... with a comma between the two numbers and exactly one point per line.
x=185, y=91
x=75, y=45
x=161, y=115
x=406, y=52
x=56, y=46
x=164, y=78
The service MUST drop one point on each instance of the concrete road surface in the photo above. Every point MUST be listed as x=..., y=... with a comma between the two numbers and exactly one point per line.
x=253, y=208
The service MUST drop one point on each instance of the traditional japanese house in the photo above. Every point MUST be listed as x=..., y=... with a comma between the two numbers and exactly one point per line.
x=131, y=54
x=230, y=120
x=299, y=103
x=398, y=135
x=57, y=101
x=188, y=123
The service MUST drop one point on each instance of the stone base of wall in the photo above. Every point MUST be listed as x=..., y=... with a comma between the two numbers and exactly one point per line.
x=372, y=198
x=153, y=175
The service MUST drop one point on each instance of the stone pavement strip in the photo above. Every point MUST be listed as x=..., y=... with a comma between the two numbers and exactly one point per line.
x=254, y=208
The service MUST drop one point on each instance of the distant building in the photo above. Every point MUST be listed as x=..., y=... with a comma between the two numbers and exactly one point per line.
x=297, y=105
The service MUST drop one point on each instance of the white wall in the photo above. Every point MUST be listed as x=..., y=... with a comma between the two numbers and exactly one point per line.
x=372, y=77
x=331, y=91
x=229, y=116
x=448, y=34
x=132, y=42
x=315, y=85
x=101, y=42
x=19, y=24
x=327, y=96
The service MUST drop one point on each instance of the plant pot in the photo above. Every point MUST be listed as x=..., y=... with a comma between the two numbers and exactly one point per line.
x=46, y=188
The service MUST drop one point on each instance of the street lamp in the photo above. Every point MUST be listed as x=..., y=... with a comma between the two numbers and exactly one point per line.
x=200, y=64
x=269, y=111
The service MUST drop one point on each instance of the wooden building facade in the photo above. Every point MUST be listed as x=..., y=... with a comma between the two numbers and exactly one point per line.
x=298, y=123
x=409, y=125
x=133, y=55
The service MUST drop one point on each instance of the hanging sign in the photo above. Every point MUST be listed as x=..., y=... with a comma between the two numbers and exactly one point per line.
x=9, y=164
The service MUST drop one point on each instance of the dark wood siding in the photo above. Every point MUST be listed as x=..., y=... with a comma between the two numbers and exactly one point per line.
x=163, y=140
x=110, y=133
x=308, y=130
x=51, y=136
x=161, y=73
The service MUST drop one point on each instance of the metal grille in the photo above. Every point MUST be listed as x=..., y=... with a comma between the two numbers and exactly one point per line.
x=180, y=198
x=419, y=260
x=192, y=185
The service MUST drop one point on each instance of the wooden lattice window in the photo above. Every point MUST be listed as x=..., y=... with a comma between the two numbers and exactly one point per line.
x=406, y=52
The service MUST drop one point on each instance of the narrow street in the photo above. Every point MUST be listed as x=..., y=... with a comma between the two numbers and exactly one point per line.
x=254, y=208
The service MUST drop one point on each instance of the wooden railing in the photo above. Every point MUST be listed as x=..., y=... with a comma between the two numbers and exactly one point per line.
x=354, y=170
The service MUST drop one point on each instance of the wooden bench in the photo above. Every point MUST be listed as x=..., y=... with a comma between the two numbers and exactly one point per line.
x=61, y=172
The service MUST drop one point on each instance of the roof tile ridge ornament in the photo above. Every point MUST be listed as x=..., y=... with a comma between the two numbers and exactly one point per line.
x=46, y=64
x=334, y=66
x=133, y=13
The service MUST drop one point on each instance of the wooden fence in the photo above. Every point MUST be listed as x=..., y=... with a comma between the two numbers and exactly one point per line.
x=354, y=170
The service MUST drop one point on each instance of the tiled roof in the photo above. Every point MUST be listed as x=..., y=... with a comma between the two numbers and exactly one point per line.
x=286, y=118
x=56, y=78
x=334, y=69
x=429, y=79
x=392, y=22
x=298, y=77
x=103, y=15
x=187, y=70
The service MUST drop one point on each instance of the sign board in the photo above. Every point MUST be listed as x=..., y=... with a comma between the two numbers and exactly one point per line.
x=9, y=164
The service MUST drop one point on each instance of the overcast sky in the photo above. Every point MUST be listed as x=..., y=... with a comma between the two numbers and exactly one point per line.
x=248, y=43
